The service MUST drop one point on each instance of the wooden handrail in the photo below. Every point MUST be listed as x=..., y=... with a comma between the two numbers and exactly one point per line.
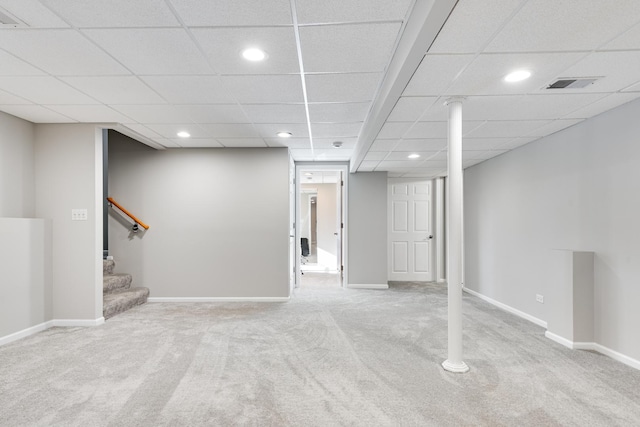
x=127, y=213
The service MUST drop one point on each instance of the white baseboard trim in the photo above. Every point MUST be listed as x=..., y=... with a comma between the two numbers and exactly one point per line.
x=368, y=286
x=594, y=346
x=507, y=308
x=25, y=332
x=49, y=324
x=218, y=299
x=69, y=323
x=560, y=340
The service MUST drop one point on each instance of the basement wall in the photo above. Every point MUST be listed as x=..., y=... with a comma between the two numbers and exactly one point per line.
x=575, y=190
x=367, y=228
x=219, y=220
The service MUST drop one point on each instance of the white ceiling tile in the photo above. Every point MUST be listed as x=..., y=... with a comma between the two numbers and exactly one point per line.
x=403, y=155
x=153, y=50
x=398, y=164
x=300, y=143
x=553, y=127
x=198, y=143
x=35, y=114
x=268, y=89
x=269, y=130
x=367, y=167
x=485, y=75
x=170, y=131
x=167, y=143
x=222, y=13
x=618, y=69
x=506, y=129
x=115, y=89
x=471, y=162
x=190, y=89
x=483, y=143
x=547, y=105
x=7, y=98
x=275, y=113
x=612, y=101
x=90, y=113
x=517, y=142
x=484, y=155
x=434, y=164
x=302, y=154
x=375, y=157
x=223, y=47
x=394, y=130
x=59, y=52
x=153, y=113
x=33, y=13
x=333, y=130
x=477, y=32
x=430, y=130
x=439, y=111
x=12, y=66
x=421, y=145
x=332, y=155
x=550, y=25
x=348, y=48
x=435, y=73
x=336, y=11
x=327, y=143
x=354, y=87
x=384, y=145
x=629, y=40
x=218, y=113
x=242, y=142
x=142, y=130
x=410, y=108
x=338, y=112
x=633, y=88
x=231, y=130
x=44, y=90
x=114, y=13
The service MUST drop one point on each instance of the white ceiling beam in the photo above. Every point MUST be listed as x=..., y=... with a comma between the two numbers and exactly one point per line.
x=421, y=29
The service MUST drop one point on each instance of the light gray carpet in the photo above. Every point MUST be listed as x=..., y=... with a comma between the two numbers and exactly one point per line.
x=329, y=357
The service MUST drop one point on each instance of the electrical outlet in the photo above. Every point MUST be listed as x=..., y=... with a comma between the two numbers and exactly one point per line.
x=540, y=298
x=78, y=214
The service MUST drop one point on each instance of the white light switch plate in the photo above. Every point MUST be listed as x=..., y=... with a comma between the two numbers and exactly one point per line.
x=78, y=214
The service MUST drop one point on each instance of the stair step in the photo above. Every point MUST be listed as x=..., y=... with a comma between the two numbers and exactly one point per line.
x=114, y=282
x=122, y=300
x=107, y=266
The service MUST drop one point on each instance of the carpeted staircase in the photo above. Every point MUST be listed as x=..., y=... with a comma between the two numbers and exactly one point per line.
x=118, y=295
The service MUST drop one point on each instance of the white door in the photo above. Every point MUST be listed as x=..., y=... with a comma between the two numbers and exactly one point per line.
x=410, y=230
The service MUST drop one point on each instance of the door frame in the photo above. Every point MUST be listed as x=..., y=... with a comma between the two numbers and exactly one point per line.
x=301, y=167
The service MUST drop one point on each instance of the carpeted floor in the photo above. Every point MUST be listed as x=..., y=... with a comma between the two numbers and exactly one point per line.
x=328, y=357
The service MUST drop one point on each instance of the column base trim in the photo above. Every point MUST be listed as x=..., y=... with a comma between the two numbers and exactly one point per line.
x=455, y=367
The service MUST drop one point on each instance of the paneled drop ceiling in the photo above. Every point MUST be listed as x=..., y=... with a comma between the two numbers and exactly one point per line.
x=373, y=74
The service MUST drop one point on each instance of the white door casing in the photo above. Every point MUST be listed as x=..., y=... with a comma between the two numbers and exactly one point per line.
x=410, y=252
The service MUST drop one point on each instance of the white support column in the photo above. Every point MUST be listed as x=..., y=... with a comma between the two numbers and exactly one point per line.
x=440, y=234
x=454, y=361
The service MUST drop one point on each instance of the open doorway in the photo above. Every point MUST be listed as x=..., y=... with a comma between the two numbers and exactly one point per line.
x=320, y=225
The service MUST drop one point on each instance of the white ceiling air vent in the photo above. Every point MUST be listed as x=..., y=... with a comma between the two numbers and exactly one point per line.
x=7, y=20
x=572, y=82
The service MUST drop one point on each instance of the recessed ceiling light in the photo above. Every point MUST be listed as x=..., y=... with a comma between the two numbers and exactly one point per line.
x=284, y=134
x=517, y=76
x=413, y=156
x=337, y=144
x=308, y=174
x=183, y=134
x=254, y=54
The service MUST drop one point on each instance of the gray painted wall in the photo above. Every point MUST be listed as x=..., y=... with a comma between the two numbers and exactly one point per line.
x=367, y=228
x=17, y=185
x=25, y=254
x=576, y=190
x=68, y=169
x=219, y=219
